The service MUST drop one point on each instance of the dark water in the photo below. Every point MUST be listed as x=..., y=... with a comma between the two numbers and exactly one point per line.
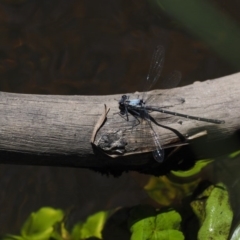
x=85, y=47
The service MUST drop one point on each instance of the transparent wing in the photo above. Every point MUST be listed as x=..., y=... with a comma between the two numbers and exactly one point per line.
x=155, y=68
x=158, y=152
x=171, y=81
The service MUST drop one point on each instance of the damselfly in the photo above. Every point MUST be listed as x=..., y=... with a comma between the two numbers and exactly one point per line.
x=140, y=109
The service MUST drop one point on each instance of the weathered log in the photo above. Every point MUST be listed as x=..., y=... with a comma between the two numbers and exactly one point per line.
x=56, y=130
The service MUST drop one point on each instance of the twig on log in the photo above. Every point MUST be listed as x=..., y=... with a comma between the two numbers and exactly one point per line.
x=56, y=130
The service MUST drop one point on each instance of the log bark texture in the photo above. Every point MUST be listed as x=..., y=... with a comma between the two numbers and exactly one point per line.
x=56, y=130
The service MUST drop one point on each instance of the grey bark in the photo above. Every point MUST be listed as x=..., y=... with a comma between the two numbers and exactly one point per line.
x=56, y=130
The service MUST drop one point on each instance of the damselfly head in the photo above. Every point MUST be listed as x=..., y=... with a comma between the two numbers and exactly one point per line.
x=122, y=106
x=123, y=99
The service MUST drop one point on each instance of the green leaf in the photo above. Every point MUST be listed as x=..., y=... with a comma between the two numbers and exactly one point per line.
x=39, y=225
x=169, y=235
x=143, y=229
x=234, y=154
x=163, y=226
x=168, y=220
x=164, y=191
x=194, y=170
x=76, y=231
x=91, y=228
x=12, y=237
x=212, y=208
